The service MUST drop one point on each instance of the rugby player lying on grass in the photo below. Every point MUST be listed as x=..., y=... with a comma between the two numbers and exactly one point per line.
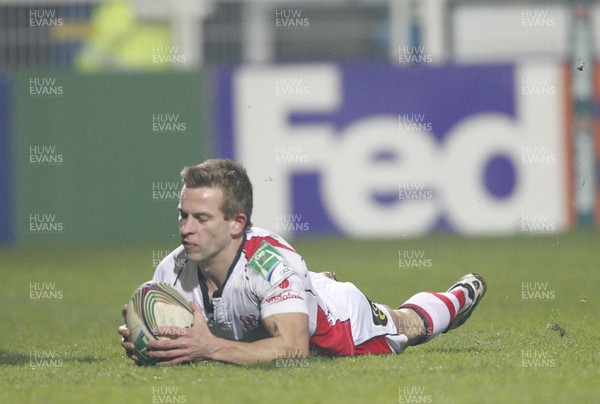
x=254, y=299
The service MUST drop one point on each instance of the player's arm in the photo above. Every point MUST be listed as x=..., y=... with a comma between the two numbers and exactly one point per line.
x=289, y=337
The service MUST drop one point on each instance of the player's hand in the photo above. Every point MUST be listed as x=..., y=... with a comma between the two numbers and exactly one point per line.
x=125, y=334
x=185, y=345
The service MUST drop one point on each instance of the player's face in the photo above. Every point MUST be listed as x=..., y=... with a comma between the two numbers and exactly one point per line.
x=202, y=226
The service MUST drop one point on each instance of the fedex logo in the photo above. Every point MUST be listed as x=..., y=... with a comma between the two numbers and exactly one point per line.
x=382, y=151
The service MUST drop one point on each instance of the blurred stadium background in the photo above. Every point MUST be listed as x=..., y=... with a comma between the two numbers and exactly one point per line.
x=361, y=118
x=412, y=139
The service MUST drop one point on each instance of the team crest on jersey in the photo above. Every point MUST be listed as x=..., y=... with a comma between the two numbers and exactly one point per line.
x=268, y=262
x=250, y=322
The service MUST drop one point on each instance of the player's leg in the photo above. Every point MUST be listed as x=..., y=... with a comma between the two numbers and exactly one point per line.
x=440, y=312
x=408, y=323
x=348, y=323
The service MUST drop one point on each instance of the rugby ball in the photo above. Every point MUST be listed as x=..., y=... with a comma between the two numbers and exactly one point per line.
x=155, y=304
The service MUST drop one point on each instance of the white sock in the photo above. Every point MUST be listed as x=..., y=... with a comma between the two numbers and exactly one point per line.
x=438, y=309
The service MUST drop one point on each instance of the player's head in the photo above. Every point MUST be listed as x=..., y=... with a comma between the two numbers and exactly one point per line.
x=228, y=176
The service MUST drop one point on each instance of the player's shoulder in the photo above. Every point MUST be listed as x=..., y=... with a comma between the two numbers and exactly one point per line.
x=270, y=257
x=258, y=239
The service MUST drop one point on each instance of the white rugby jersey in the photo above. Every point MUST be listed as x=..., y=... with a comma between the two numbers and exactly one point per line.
x=269, y=277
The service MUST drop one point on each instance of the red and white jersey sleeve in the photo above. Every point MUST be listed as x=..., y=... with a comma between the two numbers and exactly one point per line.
x=277, y=275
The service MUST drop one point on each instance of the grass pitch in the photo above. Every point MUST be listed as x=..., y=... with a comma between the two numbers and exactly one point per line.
x=534, y=338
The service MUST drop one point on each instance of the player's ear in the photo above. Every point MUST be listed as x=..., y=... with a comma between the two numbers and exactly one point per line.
x=238, y=224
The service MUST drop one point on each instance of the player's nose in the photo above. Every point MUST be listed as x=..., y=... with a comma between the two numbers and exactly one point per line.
x=186, y=226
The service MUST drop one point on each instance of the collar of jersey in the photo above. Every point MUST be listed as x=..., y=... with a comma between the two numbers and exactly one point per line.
x=217, y=293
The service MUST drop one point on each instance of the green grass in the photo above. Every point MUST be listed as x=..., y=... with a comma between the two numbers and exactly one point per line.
x=478, y=363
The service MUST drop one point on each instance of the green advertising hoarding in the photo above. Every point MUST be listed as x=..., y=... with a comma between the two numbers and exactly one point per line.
x=97, y=157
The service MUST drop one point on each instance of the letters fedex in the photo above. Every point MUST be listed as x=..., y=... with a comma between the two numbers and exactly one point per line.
x=466, y=154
